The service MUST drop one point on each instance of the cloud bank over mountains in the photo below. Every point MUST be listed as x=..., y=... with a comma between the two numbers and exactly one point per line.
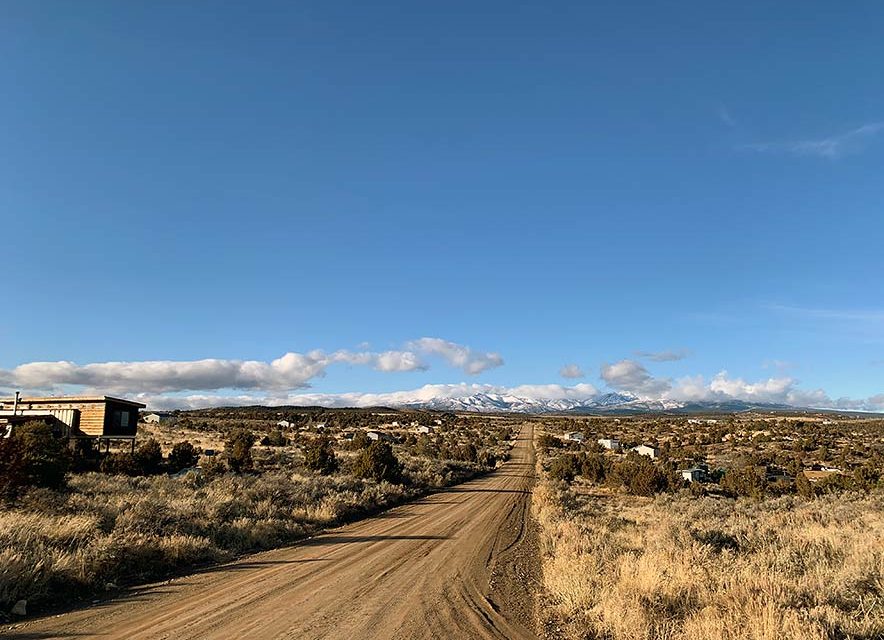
x=632, y=377
x=285, y=380
x=422, y=394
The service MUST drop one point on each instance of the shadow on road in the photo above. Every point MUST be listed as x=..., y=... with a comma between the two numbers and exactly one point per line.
x=336, y=539
x=136, y=594
x=38, y=635
x=516, y=475
x=475, y=490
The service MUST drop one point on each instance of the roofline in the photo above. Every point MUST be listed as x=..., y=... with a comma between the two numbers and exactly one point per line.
x=26, y=400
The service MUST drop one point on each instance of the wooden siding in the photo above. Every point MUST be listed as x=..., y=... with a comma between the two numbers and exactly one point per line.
x=92, y=417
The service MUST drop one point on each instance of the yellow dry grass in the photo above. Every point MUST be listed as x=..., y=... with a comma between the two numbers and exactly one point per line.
x=115, y=530
x=679, y=567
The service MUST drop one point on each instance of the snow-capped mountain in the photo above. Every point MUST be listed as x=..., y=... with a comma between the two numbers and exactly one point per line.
x=490, y=402
x=613, y=402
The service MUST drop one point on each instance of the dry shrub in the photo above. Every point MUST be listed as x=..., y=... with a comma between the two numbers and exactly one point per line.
x=128, y=529
x=58, y=546
x=676, y=567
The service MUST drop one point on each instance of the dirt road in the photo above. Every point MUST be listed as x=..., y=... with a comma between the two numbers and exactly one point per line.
x=453, y=565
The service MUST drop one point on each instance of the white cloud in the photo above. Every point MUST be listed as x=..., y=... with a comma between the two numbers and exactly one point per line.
x=874, y=403
x=631, y=376
x=723, y=387
x=290, y=371
x=663, y=356
x=765, y=390
x=571, y=371
x=720, y=388
x=215, y=382
x=833, y=147
x=457, y=355
x=399, y=361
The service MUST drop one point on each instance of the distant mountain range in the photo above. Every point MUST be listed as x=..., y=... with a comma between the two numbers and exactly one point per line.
x=606, y=403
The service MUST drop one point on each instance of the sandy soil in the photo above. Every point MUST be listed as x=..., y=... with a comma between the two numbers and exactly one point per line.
x=457, y=564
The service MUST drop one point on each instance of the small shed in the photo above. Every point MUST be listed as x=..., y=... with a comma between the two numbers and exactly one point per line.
x=379, y=436
x=425, y=429
x=647, y=450
x=611, y=444
x=693, y=475
x=158, y=418
x=575, y=436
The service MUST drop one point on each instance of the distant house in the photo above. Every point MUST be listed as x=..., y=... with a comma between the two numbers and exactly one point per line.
x=438, y=422
x=611, y=444
x=774, y=474
x=395, y=423
x=284, y=424
x=646, y=450
x=575, y=436
x=819, y=472
x=100, y=418
x=693, y=475
x=158, y=418
x=379, y=436
x=425, y=429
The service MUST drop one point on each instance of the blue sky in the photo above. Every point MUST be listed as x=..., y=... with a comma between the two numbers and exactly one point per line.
x=554, y=183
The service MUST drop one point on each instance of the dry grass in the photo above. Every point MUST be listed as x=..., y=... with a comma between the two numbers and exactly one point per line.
x=678, y=567
x=116, y=530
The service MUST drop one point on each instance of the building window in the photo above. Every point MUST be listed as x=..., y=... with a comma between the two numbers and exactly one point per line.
x=121, y=419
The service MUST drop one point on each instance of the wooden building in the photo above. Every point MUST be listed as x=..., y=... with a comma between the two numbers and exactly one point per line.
x=100, y=418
